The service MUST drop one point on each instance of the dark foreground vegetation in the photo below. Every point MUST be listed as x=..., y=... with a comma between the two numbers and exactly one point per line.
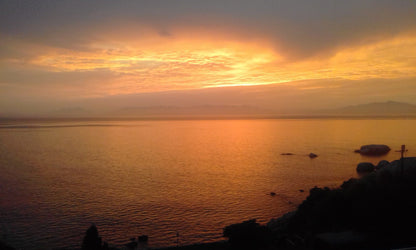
x=376, y=211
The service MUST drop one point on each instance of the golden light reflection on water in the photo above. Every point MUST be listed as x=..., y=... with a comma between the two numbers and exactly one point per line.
x=163, y=177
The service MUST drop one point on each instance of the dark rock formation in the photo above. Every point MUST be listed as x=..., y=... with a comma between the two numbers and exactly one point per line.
x=376, y=211
x=248, y=235
x=382, y=164
x=373, y=150
x=143, y=238
x=132, y=244
x=395, y=167
x=342, y=240
x=312, y=155
x=91, y=239
x=365, y=167
x=4, y=246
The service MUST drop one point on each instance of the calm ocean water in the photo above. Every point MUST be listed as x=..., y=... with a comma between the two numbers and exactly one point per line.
x=162, y=177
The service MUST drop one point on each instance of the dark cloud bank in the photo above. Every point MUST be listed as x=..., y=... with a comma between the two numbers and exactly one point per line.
x=298, y=28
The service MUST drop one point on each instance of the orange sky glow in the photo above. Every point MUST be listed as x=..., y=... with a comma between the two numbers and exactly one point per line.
x=70, y=51
x=185, y=63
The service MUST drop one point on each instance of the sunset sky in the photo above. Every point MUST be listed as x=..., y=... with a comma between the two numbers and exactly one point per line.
x=310, y=54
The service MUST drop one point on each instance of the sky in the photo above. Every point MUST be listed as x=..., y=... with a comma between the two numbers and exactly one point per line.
x=286, y=56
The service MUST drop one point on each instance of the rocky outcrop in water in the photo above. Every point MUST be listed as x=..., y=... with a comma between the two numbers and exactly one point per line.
x=365, y=167
x=378, y=209
x=373, y=150
x=312, y=155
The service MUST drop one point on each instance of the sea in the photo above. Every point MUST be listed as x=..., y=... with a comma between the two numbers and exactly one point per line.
x=178, y=181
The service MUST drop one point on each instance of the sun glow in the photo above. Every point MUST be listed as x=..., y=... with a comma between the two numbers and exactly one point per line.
x=157, y=63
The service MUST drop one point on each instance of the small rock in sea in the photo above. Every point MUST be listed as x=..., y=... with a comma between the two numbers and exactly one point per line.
x=272, y=193
x=286, y=154
x=382, y=164
x=365, y=167
x=301, y=190
x=373, y=150
x=312, y=155
x=143, y=238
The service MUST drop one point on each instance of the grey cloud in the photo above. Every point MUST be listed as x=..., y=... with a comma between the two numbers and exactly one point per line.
x=299, y=28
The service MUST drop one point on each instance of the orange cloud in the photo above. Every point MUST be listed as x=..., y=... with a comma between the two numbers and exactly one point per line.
x=194, y=59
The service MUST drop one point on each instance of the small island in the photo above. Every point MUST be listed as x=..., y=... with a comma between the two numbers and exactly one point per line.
x=373, y=150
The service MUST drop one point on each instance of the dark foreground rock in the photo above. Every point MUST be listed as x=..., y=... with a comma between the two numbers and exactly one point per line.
x=248, y=235
x=365, y=167
x=4, y=246
x=373, y=150
x=376, y=211
x=382, y=164
x=219, y=245
x=342, y=240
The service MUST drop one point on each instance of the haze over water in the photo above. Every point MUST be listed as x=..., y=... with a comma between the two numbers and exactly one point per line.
x=162, y=177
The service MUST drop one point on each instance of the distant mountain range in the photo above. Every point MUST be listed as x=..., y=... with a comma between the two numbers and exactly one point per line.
x=295, y=99
x=202, y=110
x=389, y=108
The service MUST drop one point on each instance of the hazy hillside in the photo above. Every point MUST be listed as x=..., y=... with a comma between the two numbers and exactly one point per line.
x=377, y=108
x=274, y=100
x=209, y=110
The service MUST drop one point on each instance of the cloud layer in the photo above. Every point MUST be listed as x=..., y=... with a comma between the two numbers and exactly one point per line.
x=54, y=51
